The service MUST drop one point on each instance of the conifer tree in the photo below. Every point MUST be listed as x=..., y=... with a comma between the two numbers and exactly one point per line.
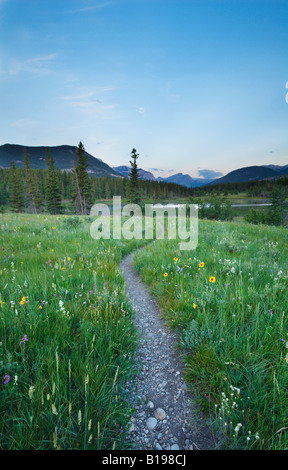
x=53, y=196
x=32, y=192
x=82, y=195
x=133, y=188
x=16, y=189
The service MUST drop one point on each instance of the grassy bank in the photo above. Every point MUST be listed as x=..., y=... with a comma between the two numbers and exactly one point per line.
x=228, y=300
x=66, y=335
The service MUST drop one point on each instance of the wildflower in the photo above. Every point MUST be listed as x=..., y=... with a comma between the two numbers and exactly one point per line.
x=53, y=228
x=22, y=301
x=237, y=428
x=201, y=265
x=194, y=306
x=165, y=274
x=6, y=379
x=31, y=391
x=175, y=259
x=24, y=339
x=212, y=279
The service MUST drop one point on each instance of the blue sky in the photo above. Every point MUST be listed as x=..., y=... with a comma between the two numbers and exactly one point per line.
x=193, y=85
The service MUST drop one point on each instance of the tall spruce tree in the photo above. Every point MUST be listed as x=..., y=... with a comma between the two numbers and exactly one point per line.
x=133, y=192
x=16, y=189
x=53, y=195
x=83, y=188
x=33, y=198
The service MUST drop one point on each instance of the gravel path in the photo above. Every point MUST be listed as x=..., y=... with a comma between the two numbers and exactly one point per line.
x=166, y=418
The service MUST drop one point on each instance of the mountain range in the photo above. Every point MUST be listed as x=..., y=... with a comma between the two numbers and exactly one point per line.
x=143, y=174
x=64, y=157
x=253, y=173
x=179, y=178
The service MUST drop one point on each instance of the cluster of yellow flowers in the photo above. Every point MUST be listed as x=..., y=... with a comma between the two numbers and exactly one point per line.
x=212, y=279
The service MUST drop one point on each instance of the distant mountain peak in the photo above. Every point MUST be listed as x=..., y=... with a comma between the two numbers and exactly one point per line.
x=63, y=155
x=252, y=173
x=144, y=175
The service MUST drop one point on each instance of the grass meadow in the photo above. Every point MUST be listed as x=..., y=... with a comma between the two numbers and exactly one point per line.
x=67, y=337
x=228, y=301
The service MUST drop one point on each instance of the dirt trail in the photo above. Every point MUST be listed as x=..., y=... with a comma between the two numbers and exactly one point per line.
x=166, y=416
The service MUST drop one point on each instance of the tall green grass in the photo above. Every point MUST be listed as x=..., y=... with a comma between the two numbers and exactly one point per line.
x=234, y=331
x=66, y=336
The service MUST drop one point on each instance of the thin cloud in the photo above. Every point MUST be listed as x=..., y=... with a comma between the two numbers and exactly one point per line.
x=81, y=94
x=209, y=174
x=88, y=104
x=35, y=66
x=39, y=60
x=160, y=170
x=25, y=123
x=91, y=8
x=141, y=110
x=78, y=97
x=93, y=108
x=155, y=169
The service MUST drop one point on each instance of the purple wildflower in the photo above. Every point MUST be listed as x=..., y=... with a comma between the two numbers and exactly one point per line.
x=24, y=339
x=6, y=379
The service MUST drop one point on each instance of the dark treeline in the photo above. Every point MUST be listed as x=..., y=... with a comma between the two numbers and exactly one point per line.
x=261, y=188
x=55, y=191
